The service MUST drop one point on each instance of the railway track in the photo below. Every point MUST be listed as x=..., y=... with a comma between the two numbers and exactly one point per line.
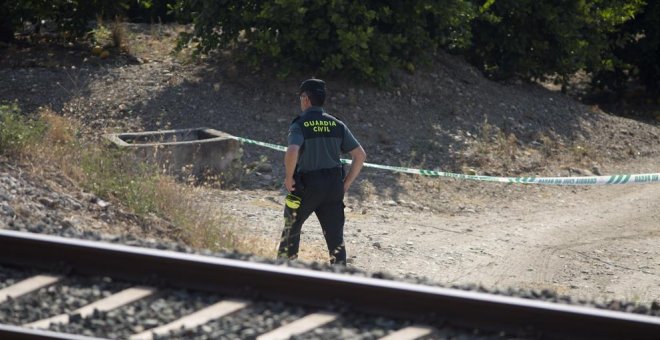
x=86, y=289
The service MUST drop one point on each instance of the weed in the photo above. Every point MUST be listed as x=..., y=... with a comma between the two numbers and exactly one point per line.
x=58, y=144
x=59, y=131
x=204, y=226
x=580, y=151
x=548, y=145
x=17, y=131
x=101, y=35
x=485, y=132
x=52, y=140
x=419, y=149
x=495, y=148
x=119, y=36
x=484, y=144
x=366, y=189
x=108, y=174
x=113, y=35
x=507, y=148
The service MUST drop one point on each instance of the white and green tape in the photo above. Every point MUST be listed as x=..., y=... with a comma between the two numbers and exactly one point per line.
x=587, y=180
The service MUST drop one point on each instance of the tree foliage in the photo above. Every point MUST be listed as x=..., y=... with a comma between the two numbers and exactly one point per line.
x=535, y=38
x=615, y=40
x=364, y=38
x=635, y=53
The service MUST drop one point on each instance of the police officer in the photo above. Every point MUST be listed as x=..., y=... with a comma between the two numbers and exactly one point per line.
x=314, y=174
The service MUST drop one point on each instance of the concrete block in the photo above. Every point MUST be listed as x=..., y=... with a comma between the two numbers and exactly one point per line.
x=200, y=153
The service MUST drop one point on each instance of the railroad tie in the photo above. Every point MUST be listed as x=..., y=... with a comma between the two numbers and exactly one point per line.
x=409, y=333
x=300, y=326
x=193, y=320
x=109, y=303
x=27, y=286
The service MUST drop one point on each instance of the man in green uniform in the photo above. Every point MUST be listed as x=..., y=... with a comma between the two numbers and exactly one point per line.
x=314, y=174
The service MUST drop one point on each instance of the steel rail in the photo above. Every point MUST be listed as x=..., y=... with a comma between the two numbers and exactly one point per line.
x=8, y=332
x=397, y=299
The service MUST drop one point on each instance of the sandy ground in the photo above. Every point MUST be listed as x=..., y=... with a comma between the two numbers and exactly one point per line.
x=598, y=242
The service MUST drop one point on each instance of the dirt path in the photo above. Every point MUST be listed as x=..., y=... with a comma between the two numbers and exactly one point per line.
x=596, y=242
x=600, y=242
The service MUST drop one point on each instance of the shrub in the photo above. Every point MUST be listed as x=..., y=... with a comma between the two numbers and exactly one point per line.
x=646, y=50
x=635, y=54
x=364, y=38
x=535, y=38
x=112, y=174
x=17, y=131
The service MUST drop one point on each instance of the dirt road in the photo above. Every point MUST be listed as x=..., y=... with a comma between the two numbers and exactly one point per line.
x=598, y=242
x=604, y=242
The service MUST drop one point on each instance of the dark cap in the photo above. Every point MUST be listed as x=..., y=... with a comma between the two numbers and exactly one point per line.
x=315, y=86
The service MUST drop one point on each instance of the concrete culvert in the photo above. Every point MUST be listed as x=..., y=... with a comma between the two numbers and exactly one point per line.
x=201, y=154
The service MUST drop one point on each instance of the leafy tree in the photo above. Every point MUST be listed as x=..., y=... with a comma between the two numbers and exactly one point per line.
x=365, y=38
x=635, y=53
x=535, y=38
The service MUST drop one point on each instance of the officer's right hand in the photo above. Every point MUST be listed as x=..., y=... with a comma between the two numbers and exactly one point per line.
x=289, y=184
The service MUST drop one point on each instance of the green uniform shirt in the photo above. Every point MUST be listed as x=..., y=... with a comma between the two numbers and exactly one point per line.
x=322, y=138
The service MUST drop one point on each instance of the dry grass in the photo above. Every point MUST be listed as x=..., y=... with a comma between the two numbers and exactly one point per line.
x=156, y=41
x=496, y=152
x=59, y=146
x=111, y=175
x=314, y=252
x=60, y=131
x=119, y=36
x=204, y=226
x=267, y=248
x=200, y=224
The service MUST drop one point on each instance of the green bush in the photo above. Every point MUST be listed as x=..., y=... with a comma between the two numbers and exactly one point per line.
x=646, y=50
x=535, y=38
x=635, y=54
x=17, y=131
x=363, y=38
x=112, y=174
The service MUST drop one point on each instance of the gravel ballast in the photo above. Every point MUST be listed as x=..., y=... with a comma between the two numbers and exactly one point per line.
x=137, y=317
x=11, y=275
x=43, y=218
x=257, y=318
x=60, y=298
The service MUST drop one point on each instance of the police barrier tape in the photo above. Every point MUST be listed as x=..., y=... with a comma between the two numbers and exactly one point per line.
x=588, y=180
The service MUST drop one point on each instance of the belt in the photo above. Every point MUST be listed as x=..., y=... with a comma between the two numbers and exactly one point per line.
x=322, y=172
